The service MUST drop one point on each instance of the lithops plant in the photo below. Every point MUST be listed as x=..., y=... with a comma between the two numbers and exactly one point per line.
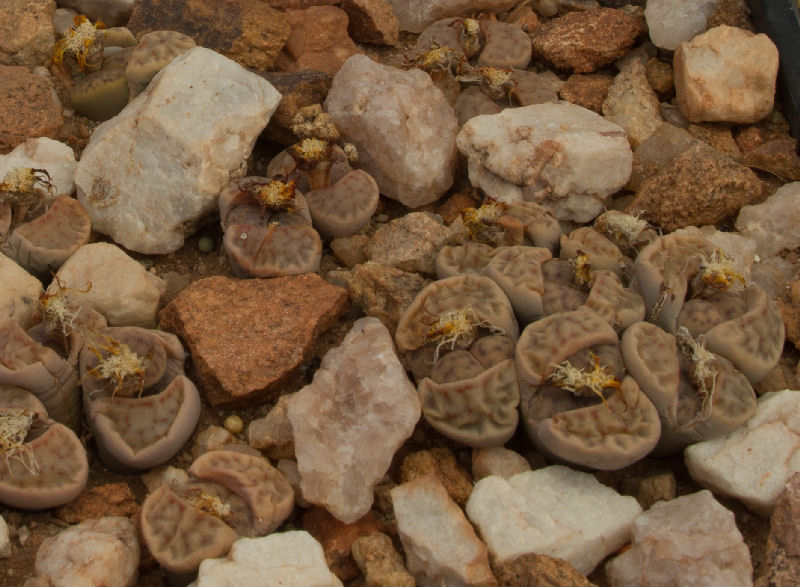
x=138, y=403
x=345, y=207
x=101, y=94
x=577, y=405
x=154, y=52
x=620, y=306
x=45, y=242
x=599, y=252
x=42, y=463
x=699, y=395
x=628, y=232
x=22, y=190
x=471, y=257
x=499, y=223
x=267, y=228
x=518, y=271
x=82, y=46
x=453, y=312
x=472, y=395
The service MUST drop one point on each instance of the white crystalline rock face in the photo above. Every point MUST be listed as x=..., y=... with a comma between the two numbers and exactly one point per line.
x=289, y=559
x=415, y=15
x=754, y=462
x=402, y=126
x=775, y=222
x=554, y=511
x=671, y=22
x=440, y=544
x=692, y=537
x=349, y=421
x=55, y=157
x=149, y=175
x=561, y=156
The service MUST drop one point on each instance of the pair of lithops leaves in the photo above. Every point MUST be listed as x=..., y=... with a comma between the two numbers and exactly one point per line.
x=229, y=494
x=586, y=274
x=273, y=224
x=42, y=462
x=37, y=231
x=460, y=334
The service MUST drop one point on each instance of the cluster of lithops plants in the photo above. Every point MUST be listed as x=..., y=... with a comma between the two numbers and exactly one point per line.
x=126, y=382
x=632, y=343
x=108, y=66
x=274, y=225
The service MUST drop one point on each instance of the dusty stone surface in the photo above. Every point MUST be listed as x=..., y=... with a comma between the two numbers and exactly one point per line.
x=726, y=74
x=350, y=420
x=401, y=124
x=538, y=569
x=670, y=22
x=632, y=103
x=782, y=564
x=53, y=156
x=651, y=489
x=778, y=156
x=29, y=107
x=250, y=33
x=506, y=45
x=585, y=41
x=384, y=292
x=754, y=462
x=112, y=275
x=112, y=12
x=19, y=293
x=441, y=545
x=379, y=561
x=291, y=559
x=243, y=341
x=699, y=186
x=587, y=89
x=372, y=21
x=349, y=250
x=774, y=223
x=273, y=433
x=415, y=15
x=555, y=511
x=439, y=462
x=692, y=537
x=215, y=438
x=497, y=460
x=112, y=499
x=561, y=156
x=27, y=34
x=318, y=40
x=151, y=208
x=732, y=13
x=410, y=243
x=337, y=538
x=298, y=89
x=659, y=76
x=102, y=551
x=719, y=136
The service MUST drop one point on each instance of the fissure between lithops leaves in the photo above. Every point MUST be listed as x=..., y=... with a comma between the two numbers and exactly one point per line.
x=578, y=381
x=702, y=371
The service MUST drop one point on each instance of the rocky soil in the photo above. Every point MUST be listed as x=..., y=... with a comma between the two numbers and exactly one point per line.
x=252, y=342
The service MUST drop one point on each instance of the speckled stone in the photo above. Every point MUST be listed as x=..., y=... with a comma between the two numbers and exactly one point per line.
x=441, y=463
x=538, y=569
x=27, y=34
x=587, y=89
x=28, y=107
x=782, y=560
x=298, y=89
x=372, y=21
x=113, y=499
x=247, y=337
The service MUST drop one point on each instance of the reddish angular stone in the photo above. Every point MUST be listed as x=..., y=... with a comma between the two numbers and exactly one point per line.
x=782, y=560
x=337, y=537
x=250, y=33
x=247, y=337
x=372, y=21
x=113, y=499
x=28, y=107
x=587, y=90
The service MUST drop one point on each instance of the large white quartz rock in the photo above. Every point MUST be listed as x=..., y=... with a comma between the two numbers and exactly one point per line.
x=564, y=157
x=415, y=15
x=18, y=294
x=54, y=157
x=671, y=22
x=440, y=544
x=754, y=462
x=102, y=551
x=149, y=175
x=289, y=559
x=775, y=222
x=101, y=276
x=726, y=75
x=693, y=538
x=555, y=511
x=401, y=124
x=349, y=421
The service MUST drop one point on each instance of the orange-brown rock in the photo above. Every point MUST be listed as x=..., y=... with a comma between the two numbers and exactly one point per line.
x=538, y=569
x=778, y=156
x=114, y=499
x=298, y=89
x=441, y=463
x=27, y=35
x=372, y=21
x=337, y=537
x=587, y=89
x=318, y=40
x=29, y=107
x=585, y=41
x=250, y=33
x=782, y=559
x=248, y=337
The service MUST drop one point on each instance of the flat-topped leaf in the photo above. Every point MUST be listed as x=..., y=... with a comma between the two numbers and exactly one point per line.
x=471, y=257
x=346, y=206
x=269, y=251
x=602, y=253
x=518, y=271
x=619, y=306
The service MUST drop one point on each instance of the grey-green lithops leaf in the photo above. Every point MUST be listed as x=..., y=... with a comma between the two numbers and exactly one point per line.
x=154, y=51
x=101, y=95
